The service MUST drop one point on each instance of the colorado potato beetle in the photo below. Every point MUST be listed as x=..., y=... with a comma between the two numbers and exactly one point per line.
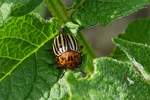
x=66, y=50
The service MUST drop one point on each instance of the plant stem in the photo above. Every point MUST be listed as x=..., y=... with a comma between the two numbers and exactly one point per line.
x=77, y=6
x=58, y=10
x=86, y=45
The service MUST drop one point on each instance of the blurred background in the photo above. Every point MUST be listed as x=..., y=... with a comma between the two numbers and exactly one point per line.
x=101, y=37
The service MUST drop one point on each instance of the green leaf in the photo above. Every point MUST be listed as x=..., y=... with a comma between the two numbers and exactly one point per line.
x=91, y=12
x=16, y=7
x=135, y=43
x=137, y=31
x=74, y=28
x=40, y=9
x=27, y=69
x=119, y=55
x=138, y=54
x=111, y=79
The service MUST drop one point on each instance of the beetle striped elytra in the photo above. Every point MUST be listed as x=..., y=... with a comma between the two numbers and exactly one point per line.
x=67, y=51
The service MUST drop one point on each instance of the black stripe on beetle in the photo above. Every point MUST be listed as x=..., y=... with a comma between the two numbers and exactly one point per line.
x=67, y=51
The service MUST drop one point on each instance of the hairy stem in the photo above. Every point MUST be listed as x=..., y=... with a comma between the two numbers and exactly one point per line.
x=74, y=9
x=86, y=45
x=57, y=8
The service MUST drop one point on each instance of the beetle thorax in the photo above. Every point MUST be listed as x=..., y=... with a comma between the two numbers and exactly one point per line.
x=69, y=59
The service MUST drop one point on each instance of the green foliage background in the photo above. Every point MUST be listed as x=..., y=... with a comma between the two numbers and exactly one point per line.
x=27, y=66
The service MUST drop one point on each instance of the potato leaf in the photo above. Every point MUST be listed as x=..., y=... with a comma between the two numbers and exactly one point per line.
x=111, y=79
x=27, y=69
x=16, y=8
x=135, y=43
x=91, y=12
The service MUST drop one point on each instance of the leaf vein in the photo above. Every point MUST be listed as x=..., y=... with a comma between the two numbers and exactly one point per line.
x=17, y=38
x=35, y=79
x=15, y=66
x=38, y=30
x=11, y=58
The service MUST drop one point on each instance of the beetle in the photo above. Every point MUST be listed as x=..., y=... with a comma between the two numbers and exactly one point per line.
x=67, y=51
